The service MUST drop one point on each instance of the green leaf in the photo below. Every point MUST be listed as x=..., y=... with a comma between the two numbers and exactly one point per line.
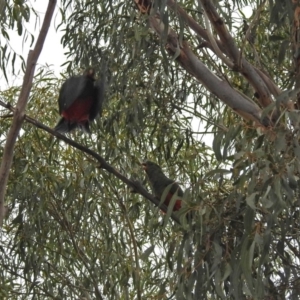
x=217, y=145
x=145, y=255
x=250, y=200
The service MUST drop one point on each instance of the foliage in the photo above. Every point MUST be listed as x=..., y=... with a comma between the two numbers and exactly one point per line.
x=75, y=231
x=13, y=16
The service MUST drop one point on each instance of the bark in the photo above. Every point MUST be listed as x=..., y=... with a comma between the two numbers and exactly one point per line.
x=21, y=105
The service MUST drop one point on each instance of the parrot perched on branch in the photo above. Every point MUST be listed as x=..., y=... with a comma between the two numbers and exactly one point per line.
x=80, y=101
x=159, y=182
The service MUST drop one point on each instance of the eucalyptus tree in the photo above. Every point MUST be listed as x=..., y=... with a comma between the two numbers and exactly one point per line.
x=209, y=91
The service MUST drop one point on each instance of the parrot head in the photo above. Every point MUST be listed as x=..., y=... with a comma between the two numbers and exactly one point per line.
x=89, y=72
x=153, y=170
x=159, y=182
x=150, y=166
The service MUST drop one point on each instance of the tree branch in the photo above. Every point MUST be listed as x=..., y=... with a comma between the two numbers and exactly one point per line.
x=244, y=67
x=21, y=104
x=213, y=42
x=189, y=61
x=262, y=87
x=242, y=105
x=135, y=185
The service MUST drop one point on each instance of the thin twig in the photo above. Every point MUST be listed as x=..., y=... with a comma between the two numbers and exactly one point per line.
x=249, y=31
x=135, y=247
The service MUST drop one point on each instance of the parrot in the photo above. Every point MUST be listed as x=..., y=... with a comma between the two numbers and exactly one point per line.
x=159, y=181
x=80, y=101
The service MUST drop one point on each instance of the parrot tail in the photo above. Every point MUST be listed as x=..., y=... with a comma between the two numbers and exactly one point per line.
x=84, y=126
x=64, y=126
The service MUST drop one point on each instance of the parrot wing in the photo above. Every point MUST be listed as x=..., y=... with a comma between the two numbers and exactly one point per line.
x=99, y=89
x=159, y=184
x=71, y=89
x=175, y=187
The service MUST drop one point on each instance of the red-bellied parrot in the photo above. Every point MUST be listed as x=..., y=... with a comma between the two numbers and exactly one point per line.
x=159, y=182
x=80, y=101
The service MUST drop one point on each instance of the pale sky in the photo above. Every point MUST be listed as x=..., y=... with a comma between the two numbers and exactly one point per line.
x=52, y=53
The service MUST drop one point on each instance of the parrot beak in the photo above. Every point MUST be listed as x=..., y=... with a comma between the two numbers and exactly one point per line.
x=90, y=73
